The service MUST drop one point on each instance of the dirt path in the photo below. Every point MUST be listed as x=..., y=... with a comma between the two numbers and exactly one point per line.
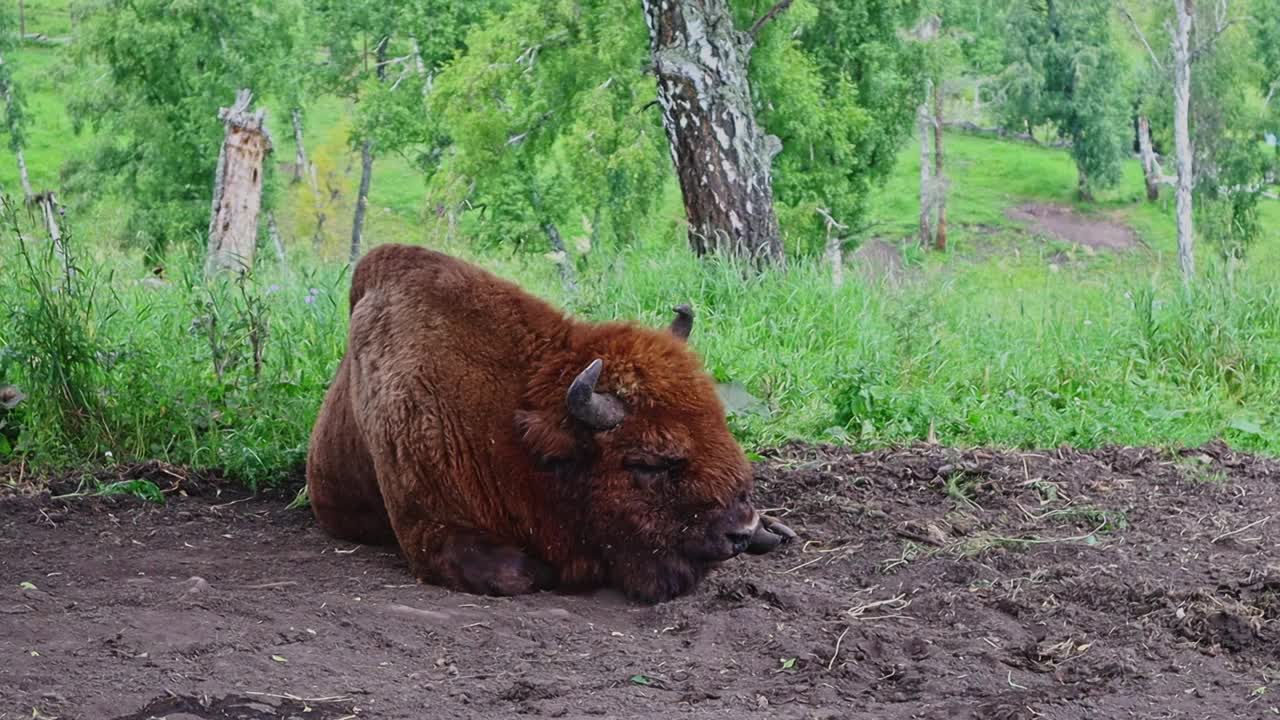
x=1068, y=225
x=933, y=584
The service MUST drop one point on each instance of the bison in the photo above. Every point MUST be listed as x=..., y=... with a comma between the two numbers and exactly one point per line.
x=507, y=448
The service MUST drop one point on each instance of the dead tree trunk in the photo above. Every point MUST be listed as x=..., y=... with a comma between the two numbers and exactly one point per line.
x=1182, y=135
x=939, y=177
x=50, y=211
x=237, y=188
x=1150, y=167
x=924, y=122
x=22, y=20
x=300, y=150
x=362, y=199
x=835, y=246
x=722, y=156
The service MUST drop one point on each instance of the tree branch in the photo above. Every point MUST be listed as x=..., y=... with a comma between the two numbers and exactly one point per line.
x=1221, y=28
x=774, y=12
x=1143, y=38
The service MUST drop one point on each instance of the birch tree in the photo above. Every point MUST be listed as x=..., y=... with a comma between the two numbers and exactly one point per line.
x=722, y=156
x=15, y=116
x=1214, y=163
x=1183, y=158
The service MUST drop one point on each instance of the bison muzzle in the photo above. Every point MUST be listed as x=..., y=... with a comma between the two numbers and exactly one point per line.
x=507, y=448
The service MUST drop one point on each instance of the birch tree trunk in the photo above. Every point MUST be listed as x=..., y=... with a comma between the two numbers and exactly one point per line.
x=1182, y=135
x=362, y=199
x=237, y=188
x=924, y=122
x=939, y=177
x=300, y=150
x=722, y=156
x=1150, y=168
x=23, y=176
x=366, y=160
x=303, y=165
x=273, y=231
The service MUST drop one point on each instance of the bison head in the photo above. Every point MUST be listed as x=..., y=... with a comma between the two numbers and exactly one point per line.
x=644, y=444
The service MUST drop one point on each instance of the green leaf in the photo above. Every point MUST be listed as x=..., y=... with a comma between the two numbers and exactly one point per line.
x=26, y=585
x=279, y=658
x=788, y=663
x=738, y=401
x=643, y=680
x=1246, y=426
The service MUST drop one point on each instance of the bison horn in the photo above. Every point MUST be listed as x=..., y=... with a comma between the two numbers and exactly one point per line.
x=597, y=410
x=682, y=325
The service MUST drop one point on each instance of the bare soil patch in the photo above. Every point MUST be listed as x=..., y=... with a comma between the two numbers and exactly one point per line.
x=928, y=583
x=879, y=260
x=1070, y=226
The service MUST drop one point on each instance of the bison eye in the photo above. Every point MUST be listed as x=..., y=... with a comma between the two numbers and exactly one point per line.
x=652, y=470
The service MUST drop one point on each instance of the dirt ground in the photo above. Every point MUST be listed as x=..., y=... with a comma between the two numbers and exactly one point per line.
x=1064, y=223
x=929, y=583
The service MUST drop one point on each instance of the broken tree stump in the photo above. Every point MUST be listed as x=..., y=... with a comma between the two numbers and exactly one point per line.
x=237, y=188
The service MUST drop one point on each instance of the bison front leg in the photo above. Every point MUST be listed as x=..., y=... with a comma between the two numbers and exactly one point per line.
x=471, y=561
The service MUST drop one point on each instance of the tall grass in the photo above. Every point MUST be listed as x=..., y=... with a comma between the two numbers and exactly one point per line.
x=1007, y=353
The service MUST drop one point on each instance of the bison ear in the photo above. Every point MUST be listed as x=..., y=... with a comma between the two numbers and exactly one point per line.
x=543, y=435
x=682, y=324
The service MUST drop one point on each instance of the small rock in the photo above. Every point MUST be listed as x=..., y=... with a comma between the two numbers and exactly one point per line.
x=194, y=586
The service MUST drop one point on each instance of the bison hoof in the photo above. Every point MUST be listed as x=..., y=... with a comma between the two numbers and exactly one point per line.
x=769, y=535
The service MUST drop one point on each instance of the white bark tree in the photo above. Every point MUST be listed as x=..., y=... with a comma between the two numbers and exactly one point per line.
x=300, y=165
x=924, y=123
x=1150, y=166
x=722, y=156
x=1181, y=34
x=1182, y=135
x=929, y=124
x=237, y=188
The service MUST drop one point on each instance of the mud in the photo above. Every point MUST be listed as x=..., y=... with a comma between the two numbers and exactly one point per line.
x=928, y=583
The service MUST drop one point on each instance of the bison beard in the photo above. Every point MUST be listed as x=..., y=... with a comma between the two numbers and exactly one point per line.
x=507, y=448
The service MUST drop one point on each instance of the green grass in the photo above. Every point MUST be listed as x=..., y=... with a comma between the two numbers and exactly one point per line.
x=48, y=17
x=1005, y=354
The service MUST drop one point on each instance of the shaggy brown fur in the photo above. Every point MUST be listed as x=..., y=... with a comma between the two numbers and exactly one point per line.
x=449, y=431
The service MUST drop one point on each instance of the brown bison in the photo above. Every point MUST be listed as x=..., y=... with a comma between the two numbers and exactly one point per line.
x=507, y=448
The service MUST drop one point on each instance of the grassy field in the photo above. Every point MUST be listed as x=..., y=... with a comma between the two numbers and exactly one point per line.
x=990, y=343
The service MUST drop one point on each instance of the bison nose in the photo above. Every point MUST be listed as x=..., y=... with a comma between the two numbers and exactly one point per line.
x=740, y=539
